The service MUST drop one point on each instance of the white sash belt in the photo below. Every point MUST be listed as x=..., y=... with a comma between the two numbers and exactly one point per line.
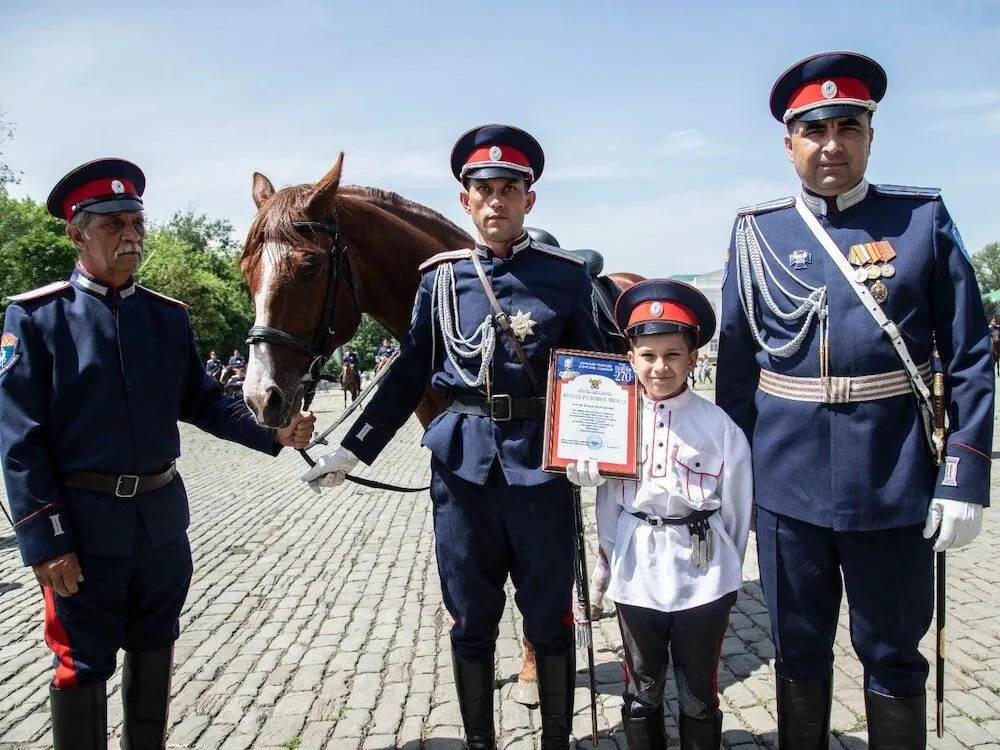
x=842, y=390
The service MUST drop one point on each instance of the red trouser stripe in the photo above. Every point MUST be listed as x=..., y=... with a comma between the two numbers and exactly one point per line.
x=58, y=640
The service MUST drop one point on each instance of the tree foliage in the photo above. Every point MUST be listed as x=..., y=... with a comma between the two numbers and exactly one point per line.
x=7, y=175
x=986, y=263
x=34, y=248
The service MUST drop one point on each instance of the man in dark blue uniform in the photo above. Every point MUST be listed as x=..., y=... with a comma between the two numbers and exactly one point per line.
x=496, y=512
x=94, y=374
x=213, y=366
x=833, y=303
x=236, y=361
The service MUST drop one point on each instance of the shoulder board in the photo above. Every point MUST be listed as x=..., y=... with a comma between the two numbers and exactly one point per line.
x=905, y=191
x=162, y=297
x=42, y=291
x=767, y=206
x=448, y=255
x=556, y=252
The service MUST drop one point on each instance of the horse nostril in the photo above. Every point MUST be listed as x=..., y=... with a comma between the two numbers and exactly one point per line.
x=272, y=399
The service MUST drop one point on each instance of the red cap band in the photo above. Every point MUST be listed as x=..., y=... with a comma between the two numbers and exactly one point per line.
x=669, y=312
x=822, y=91
x=96, y=189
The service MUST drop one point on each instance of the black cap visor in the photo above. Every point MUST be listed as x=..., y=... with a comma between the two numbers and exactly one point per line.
x=660, y=326
x=489, y=173
x=833, y=110
x=112, y=207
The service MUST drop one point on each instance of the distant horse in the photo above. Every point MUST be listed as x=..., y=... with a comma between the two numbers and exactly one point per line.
x=350, y=381
x=315, y=258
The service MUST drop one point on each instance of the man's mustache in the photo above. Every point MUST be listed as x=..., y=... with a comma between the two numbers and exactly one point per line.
x=129, y=248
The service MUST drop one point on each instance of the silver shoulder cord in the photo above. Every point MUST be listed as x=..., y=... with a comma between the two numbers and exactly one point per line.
x=444, y=312
x=753, y=269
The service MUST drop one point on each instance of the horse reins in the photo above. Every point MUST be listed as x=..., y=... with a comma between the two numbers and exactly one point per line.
x=320, y=349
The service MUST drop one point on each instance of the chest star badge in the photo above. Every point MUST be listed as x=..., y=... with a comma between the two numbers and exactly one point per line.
x=522, y=325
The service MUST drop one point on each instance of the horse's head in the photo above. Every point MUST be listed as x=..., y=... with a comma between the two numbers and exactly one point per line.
x=305, y=304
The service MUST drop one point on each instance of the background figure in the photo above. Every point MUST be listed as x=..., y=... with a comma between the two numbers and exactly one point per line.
x=847, y=491
x=213, y=366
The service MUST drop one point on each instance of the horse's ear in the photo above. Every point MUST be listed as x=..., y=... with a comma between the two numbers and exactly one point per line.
x=262, y=189
x=326, y=188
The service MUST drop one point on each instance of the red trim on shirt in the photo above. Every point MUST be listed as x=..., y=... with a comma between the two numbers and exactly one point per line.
x=969, y=448
x=32, y=515
x=58, y=640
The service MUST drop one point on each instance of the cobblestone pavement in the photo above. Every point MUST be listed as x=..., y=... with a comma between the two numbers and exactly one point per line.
x=315, y=621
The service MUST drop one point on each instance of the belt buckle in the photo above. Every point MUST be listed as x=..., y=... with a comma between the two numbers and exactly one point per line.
x=130, y=489
x=500, y=398
x=654, y=520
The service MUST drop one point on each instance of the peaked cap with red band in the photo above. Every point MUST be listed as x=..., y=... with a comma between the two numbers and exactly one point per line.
x=102, y=186
x=665, y=306
x=497, y=151
x=834, y=84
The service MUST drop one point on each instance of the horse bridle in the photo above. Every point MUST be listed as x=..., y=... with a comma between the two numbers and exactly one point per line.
x=319, y=349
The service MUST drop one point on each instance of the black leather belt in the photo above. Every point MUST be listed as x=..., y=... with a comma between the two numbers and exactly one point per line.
x=690, y=518
x=500, y=407
x=121, y=485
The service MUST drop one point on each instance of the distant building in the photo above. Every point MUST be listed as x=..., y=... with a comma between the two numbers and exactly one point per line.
x=709, y=284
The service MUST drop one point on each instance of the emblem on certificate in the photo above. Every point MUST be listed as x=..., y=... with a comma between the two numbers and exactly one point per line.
x=592, y=413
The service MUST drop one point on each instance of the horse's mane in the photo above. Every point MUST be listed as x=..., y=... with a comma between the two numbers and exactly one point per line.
x=274, y=220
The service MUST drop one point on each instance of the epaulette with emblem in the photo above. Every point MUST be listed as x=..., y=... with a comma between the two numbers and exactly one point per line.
x=906, y=191
x=556, y=252
x=436, y=260
x=768, y=206
x=162, y=297
x=42, y=291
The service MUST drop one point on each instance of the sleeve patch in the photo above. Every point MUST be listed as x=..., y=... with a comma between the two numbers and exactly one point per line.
x=8, y=352
x=950, y=471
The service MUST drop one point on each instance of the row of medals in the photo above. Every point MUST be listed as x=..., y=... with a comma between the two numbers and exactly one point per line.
x=875, y=272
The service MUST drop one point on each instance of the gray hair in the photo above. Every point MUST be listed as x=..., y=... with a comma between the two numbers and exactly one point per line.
x=82, y=220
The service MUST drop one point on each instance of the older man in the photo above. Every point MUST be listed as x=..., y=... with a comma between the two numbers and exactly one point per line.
x=833, y=304
x=95, y=372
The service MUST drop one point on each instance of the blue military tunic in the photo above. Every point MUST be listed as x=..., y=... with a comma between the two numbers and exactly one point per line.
x=554, y=290
x=95, y=379
x=860, y=466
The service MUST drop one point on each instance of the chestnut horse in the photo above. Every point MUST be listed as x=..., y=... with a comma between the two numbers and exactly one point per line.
x=350, y=382
x=315, y=258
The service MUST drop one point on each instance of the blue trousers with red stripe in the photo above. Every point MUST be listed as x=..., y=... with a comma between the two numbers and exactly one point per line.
x=888, y=576
x=485, y=533
x=132, y=603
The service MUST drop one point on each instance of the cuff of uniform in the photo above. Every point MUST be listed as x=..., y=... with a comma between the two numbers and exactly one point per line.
x=44, y=534
x=365, y=441
x=964, y=475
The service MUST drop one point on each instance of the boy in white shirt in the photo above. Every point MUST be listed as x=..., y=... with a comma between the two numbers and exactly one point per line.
x=675, y=538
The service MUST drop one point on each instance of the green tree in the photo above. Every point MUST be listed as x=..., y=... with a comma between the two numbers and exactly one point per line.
x=986, y=263
x=7, y=175
x=34, y=248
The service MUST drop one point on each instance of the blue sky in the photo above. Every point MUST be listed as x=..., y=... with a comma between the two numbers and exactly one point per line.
x=653, y=115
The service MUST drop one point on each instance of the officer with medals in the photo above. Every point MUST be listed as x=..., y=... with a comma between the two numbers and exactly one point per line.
x=496, y=512
x=833, y=304
x=95, y=372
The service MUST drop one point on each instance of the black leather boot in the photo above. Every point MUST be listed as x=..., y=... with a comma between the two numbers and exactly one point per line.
x=146, y=698
x=896, y=723
x=700, y=734
x=804, y=714
x=79, y=717
x=474, y=682
x=646, y=732
x=556, y=683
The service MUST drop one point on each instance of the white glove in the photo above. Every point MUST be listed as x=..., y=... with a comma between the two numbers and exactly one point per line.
x=960, y=522
x=584, y=473
x=330, y=469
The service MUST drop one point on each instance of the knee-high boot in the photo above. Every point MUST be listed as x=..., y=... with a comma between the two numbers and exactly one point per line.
x=79, y=717
x=556, y=683
x=474, y=682
x=804, y=714
x=644, y=732
x=896, y=723
x=146, y=698
x=700, y=734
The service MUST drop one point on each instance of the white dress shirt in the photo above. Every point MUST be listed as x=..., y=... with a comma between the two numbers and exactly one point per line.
x=694, y=457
